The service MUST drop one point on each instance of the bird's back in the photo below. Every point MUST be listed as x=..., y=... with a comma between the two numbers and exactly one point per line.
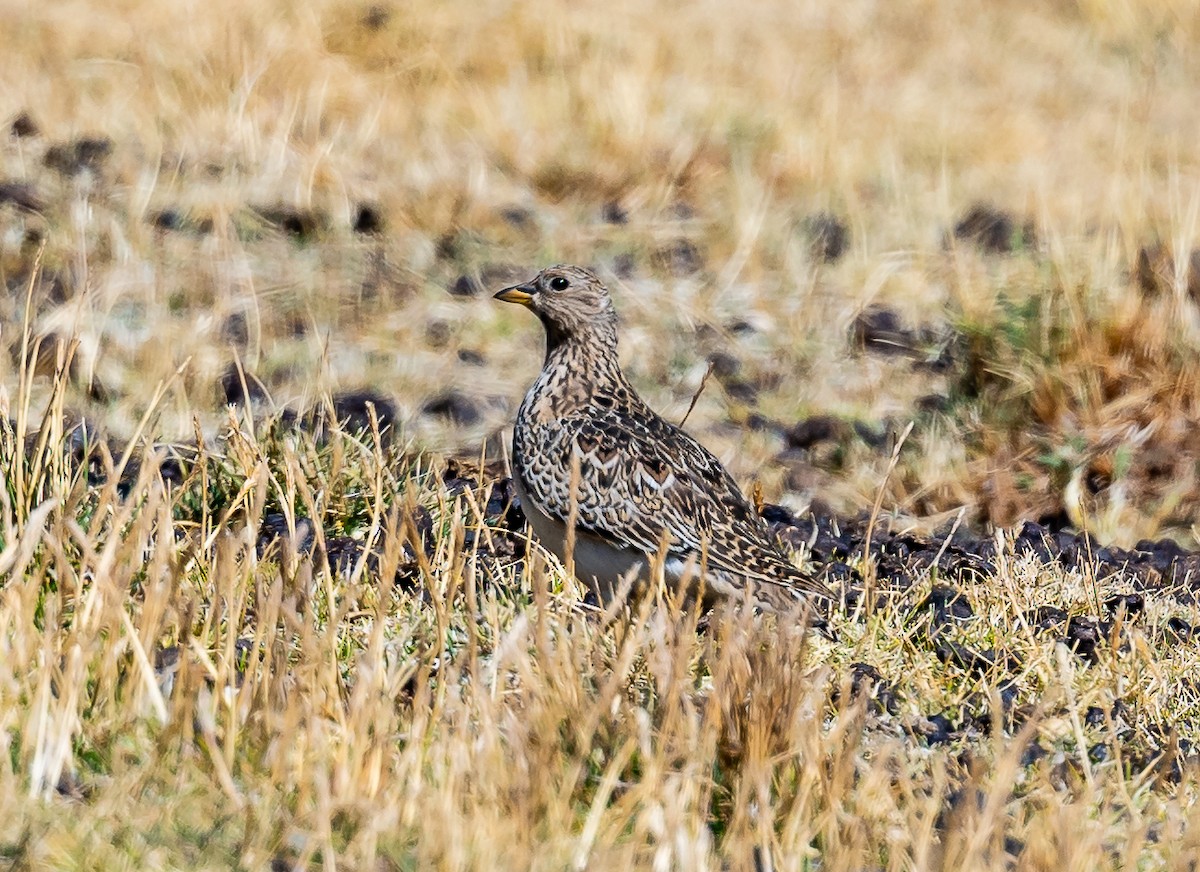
x=633, y=480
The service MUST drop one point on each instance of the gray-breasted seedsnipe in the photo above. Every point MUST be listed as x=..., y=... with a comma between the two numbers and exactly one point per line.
x=587, y=450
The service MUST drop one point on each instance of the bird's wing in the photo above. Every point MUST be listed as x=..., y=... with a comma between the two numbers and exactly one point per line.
x=641, y=478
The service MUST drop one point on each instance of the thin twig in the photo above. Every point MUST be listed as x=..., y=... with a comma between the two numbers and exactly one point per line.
x=946, y=542
x=868, y=600
x=699, y=391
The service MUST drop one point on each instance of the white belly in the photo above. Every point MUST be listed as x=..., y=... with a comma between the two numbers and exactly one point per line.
x=598, y=563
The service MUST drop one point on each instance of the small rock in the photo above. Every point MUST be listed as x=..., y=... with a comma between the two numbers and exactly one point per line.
x=457, y=479
x=614, y=213
x=1033, y=753
x=24, y=127
x=1180, y=629
x=166, y=219
x=518, y=217
x=84, y=153
x=814, y=430
x=866, y=681
x=993, y=230
x=235, y=331
x=1156, y=272
x=1133, y=604
x=624, y=265
x=368, y=221
x=879, y=329
x=840, y=575
x=343, y=553
x=978, y=662
x=761, y=423
x=680, y=258
x=22, y=195
x=376, y=17
x=828, y=237
x=817, y=537
x=237, y=393
x=92, y=151
x=454, y=406
x=947, y=602
x=274, y=529
x=775, y=514
x=1045, y=618
x=1162, y=553
x=438, y=333
x=301, y=224
x=965, y=565
x=353, y=411
x=873, y=437
x=724, y=365
x=504, y=506
x=1036, y=540
x=936, y=730
x=932, y=403
x=1083, y=637
x=1055, y=520
x=864, y=674
x=1193, y=277
x=740, y=390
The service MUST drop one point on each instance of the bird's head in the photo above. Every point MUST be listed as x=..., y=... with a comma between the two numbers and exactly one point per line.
x=571, y=302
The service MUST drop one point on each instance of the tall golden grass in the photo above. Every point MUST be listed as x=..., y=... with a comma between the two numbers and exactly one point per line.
x=492, y=139
x=174, y=694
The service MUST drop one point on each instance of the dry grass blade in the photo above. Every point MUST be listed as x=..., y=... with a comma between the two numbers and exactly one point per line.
x=696, y=396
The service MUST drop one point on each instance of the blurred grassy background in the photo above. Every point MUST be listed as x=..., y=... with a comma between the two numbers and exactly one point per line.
x=303, y=187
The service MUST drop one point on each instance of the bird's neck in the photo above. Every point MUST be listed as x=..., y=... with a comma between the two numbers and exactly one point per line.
x=595, y=346
x=578, y=368
x=589, y=355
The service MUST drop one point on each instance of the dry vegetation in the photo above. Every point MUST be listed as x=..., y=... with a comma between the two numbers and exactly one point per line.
x=287, y=644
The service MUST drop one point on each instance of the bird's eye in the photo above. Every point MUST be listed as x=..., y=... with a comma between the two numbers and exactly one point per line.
x=558, y=283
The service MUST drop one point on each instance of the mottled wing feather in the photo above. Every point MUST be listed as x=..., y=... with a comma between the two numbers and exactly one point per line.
x=654, y=478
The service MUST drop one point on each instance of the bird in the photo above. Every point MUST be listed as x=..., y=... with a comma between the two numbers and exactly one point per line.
x=608, y=485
